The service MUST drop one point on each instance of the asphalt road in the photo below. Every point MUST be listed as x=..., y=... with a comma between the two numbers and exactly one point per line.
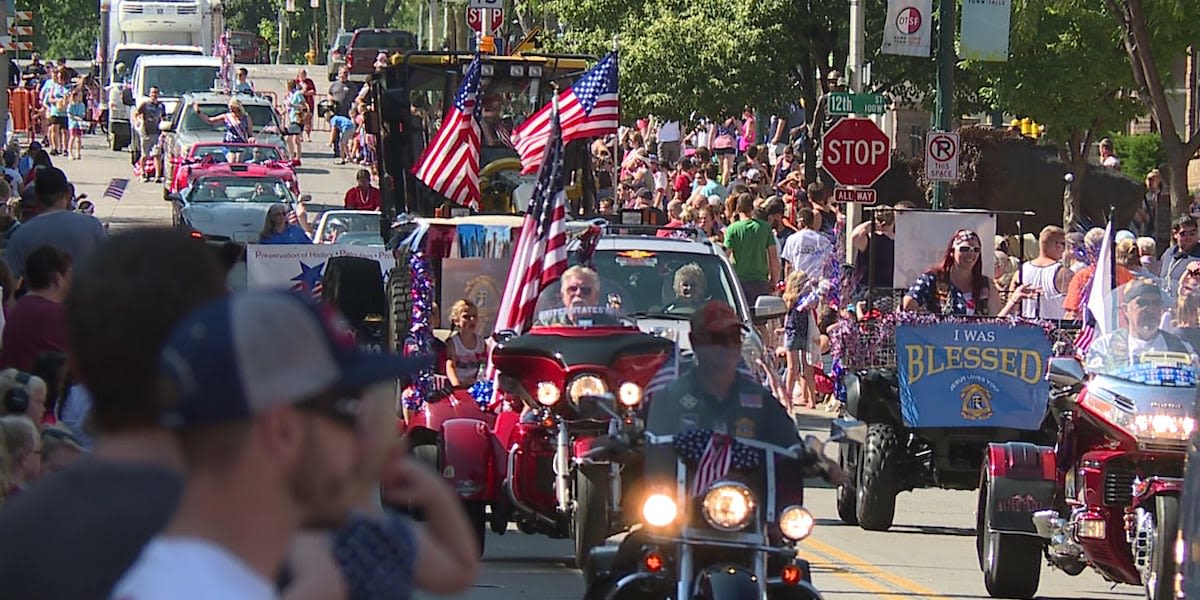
x=929, y=553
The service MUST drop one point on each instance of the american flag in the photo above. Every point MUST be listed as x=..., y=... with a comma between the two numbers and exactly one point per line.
x=450, y=163
x=714, y=463
x=540, y=257
x=666, y=374
x=1096, y=311
x=116, y=188
x=589, y=108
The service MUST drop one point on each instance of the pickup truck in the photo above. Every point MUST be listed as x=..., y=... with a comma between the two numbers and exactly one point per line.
x=366, y=44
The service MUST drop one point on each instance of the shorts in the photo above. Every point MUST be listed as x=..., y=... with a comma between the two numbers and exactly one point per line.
x=724, y=151
x=76, y=132
x=149, y=144
x=294, y=128
x=59, y=121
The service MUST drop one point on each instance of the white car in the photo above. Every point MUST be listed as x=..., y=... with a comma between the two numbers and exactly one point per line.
x=354, y=227
x=224, y=208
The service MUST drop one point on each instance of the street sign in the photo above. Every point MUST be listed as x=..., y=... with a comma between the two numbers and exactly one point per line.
x=844, y=103
x=941, y=156
x=855, y=152
x=475, y=18
x=486, y=4
x=856, y=195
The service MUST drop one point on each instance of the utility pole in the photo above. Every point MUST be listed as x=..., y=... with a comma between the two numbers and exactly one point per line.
x=854, y=73
x=943, y=115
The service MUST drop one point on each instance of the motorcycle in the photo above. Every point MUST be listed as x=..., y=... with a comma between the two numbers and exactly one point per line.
x=736, y=539
x=1106, y=496
x=548, y=371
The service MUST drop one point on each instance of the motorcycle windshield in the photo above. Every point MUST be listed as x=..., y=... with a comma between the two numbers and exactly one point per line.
x=1146, y=333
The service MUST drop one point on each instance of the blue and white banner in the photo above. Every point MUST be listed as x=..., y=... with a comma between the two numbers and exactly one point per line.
x=985, y=30
x=301, y=266
x=973, y=375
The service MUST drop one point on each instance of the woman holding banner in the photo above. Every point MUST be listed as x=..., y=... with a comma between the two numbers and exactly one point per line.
x=957, y=285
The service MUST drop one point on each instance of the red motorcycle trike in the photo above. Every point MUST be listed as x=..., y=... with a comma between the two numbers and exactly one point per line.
x=555, y=486
x=1107, y=495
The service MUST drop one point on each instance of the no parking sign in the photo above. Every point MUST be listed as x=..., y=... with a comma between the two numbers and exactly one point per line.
x=941, y=156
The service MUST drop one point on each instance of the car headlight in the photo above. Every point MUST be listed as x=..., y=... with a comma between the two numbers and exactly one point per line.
x=585, y=385
x=728, y=505
x=547, y=393
x=1163, y=427
x=630, y=394
x=796, y=523
x=659, y=510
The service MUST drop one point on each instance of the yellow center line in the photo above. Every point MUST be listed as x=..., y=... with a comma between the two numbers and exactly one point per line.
x=863, y=583
x=871, y=570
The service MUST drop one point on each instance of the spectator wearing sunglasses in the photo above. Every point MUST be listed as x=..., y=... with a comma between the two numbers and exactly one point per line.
x=957, y=285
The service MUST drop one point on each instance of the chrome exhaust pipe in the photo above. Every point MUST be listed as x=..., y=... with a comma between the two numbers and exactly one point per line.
x=562, y=469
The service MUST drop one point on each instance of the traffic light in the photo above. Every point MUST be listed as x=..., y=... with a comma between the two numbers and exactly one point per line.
x=1029, y=128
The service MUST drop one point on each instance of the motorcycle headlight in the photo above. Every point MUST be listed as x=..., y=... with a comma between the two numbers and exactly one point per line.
x=630, y=394
x=659, y=510
x=585, y=385
x=547, y=393
x=728, y=506
x=796, y=523
x=1164, y=427
x=1109, y=408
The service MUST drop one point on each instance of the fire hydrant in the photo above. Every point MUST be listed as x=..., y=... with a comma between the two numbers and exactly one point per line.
x=311, y=56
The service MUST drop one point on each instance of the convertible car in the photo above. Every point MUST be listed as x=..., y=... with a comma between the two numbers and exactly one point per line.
x=222, y=208
x=235, y=160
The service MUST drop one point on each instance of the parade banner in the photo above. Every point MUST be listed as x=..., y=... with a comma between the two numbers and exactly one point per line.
x=965, y=374
x=985, y=30
x=908, y=28
x=301, y=266
x=933, y=230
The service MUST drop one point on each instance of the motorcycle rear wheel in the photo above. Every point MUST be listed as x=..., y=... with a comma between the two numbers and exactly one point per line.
x=1012, y=564
x=1160, y=584
x=590, y=520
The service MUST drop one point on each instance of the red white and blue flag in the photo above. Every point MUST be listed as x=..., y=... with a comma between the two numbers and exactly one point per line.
x=116, y=188
x=714, y=463
x=540, y=257
x=450, y=163
x=588, y=109
x=1097, y=312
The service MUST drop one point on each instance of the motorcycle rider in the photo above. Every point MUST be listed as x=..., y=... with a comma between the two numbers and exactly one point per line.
x=1142, y=308
x=579, y=291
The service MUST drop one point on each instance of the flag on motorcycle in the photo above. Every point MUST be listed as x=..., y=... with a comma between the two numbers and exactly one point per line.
x=587, y=109
x=1097, y=313
x=713, y=455
x=540, y=256
x=449, y=165
x=667, y=373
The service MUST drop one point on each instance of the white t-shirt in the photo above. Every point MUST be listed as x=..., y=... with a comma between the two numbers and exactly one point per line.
x=668, y=132
x=807, y=250
x=182, y=568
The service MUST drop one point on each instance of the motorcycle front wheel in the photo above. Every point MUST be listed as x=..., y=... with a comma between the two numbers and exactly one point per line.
x=1160, y=584
x=591, y=514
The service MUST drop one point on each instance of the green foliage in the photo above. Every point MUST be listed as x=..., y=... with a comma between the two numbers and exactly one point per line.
x=67, y=28
x=1067, y=69
x=1139, y=153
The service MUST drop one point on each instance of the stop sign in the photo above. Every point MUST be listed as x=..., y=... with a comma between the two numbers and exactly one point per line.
x=856, y=152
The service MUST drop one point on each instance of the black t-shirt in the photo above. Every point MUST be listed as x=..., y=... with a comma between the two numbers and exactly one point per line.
x=883, y=254
x=343, y=94
x=73, y=534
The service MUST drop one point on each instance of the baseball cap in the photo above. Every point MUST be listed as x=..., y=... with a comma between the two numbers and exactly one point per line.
x=1141, y=288
x=716, y=317
x=250, y=352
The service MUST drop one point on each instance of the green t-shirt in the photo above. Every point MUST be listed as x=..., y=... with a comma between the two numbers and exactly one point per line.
x=749, y=240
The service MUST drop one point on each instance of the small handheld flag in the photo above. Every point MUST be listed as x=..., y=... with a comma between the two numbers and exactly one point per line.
x=116, y=188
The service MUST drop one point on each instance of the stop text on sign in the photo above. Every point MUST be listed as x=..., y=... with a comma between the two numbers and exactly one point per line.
x=860, y=152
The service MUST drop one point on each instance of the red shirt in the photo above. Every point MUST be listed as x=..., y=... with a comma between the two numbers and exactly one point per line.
x=35, y=325
x=310, y=92
x=357, y=199
x=683, y=184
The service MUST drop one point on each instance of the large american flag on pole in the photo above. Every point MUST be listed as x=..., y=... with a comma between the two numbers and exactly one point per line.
x=540, y=257
x=1096, y=311
x=450, y=163
x=589, y=108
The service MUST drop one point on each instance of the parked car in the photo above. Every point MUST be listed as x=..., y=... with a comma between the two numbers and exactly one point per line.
x=249, y=47
x=352, y=227
x=367, y=44
x=222, y=208
x=336, y=57
x=184, y=128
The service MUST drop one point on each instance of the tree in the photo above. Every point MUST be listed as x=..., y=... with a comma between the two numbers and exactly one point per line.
x=1068, y=70
x=1163, y=30
x=64, y=28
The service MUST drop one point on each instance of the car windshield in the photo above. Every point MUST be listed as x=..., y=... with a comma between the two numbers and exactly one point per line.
x=222, y=153
x=388, y=40
x=339, y=225
x=343, y=40
x=669, y=284
x=240, y=189
x=1146, y=334
x=177, y=80
x=129, y=56
x=260, y=114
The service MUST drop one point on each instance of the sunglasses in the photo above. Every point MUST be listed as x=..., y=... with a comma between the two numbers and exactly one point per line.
x=1192, y=273
x=969, y=249
x=582, y=290
x=726, y=339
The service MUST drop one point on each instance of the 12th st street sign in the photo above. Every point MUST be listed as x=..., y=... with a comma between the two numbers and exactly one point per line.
x=844, y=103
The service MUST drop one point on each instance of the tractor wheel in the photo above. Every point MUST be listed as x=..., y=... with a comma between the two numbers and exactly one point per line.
x=876, y=493
x=399, y=302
